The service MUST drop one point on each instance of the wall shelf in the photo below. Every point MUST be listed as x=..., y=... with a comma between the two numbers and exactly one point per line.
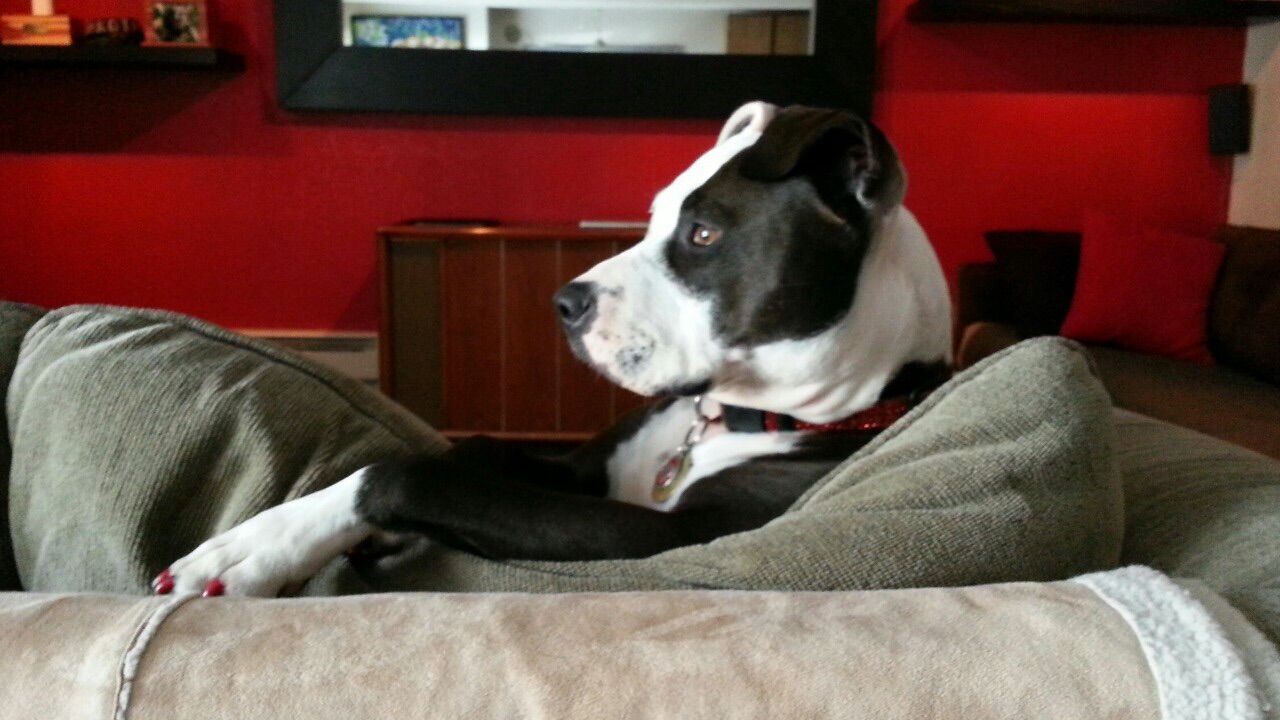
x=94, y=56
x=1097, y=12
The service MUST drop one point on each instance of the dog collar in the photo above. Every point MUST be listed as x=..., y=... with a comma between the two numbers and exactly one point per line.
x=676, y=465
x=871, y=421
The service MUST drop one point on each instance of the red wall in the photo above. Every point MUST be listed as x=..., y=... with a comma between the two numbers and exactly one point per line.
x=196, y=194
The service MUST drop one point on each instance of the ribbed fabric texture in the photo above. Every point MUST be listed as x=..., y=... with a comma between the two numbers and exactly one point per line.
x=1201, y=508
x=15, y=320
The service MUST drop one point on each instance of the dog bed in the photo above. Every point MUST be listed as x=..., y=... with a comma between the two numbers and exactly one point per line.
x=136, y=434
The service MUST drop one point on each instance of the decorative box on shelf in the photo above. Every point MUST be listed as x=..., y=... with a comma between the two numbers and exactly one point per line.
x=36, y=30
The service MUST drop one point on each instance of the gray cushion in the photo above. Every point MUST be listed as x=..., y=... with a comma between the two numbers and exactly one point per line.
x=137, y=434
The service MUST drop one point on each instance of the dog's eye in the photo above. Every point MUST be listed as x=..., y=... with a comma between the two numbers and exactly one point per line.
x=703, y=236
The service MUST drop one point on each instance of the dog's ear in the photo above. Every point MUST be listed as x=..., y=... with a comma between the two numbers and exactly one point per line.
x=844, y=155
x=752, y=116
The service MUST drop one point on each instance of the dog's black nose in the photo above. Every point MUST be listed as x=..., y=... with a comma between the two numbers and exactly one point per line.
x=575, y=302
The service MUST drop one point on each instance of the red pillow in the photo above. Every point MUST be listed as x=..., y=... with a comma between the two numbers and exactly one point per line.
x=1144, y=290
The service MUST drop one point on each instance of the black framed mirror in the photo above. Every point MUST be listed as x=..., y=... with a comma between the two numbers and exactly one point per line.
x=573, y=57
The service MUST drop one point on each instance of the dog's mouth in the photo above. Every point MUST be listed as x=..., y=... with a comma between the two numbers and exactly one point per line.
x=650, y=347
x=579, y=349
x=626, y=367
x=691, y=389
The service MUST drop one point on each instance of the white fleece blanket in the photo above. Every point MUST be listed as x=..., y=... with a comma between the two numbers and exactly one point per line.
x=1208, y=661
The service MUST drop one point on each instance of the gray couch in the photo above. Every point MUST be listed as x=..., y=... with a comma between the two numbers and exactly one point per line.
x=1027, y=291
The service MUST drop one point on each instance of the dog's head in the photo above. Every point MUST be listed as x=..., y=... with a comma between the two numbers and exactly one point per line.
x=780, y=271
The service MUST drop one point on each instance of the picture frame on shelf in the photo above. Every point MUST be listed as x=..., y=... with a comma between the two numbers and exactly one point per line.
x=177, y=23
x=318, y=69
x=431, y=32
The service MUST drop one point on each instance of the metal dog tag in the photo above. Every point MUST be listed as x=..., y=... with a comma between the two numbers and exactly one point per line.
x=671, y=473
x=674, y=469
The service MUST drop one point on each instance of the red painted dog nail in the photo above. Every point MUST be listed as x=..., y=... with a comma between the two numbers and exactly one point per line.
x=214, y=588
x=163, y=584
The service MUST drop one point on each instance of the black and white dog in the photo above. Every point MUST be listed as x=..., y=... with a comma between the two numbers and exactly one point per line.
x=783, y=301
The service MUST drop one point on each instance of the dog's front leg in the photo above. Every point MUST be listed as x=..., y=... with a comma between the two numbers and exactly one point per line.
x=495, y=515
x=282, y=546
x=288, y=544
x=479, y=509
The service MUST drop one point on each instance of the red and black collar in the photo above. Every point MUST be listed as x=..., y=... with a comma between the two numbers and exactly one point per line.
x=871, y=421
x=908, y=388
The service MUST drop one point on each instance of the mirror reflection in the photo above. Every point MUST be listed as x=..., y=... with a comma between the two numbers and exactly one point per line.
x=699, y=27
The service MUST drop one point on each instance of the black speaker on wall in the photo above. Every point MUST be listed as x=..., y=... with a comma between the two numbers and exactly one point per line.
x=1230, y=111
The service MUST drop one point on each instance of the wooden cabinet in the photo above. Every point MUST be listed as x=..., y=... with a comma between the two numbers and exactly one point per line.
x=469, y=339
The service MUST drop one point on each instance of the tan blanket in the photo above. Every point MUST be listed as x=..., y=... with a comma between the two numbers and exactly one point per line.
x=1063, y=650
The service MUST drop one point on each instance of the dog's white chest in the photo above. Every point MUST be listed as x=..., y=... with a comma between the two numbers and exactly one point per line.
x=635, y=464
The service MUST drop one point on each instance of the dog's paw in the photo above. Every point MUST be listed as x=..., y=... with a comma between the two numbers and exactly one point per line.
x=280, y=547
